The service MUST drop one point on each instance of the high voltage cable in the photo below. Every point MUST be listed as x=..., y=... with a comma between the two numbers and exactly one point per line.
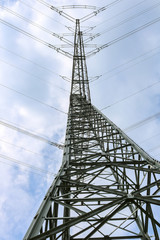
x=140, y=123
x=22, y=148
x=67, y=16
x=32, y=98
x=59, y=50
x=37, y=64
x=41, y=79
x=145, y=140
x=92, y=79
x=29, y=6
x=133, y=94
x=123, y=37
x=29, y=60
x=122, y=22
x=89, y=53
x=130, y=61
x=119, y=13
x=94, y=13
x=157, y=155
x=154, y=148
x=26, y=165
x=93, y=27
x=31, y=134
x=12, y=164
x=37, y=25
x=36, y=168
x=31, y=170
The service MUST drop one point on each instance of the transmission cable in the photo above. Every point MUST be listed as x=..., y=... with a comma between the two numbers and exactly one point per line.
x=121, y=23
x=145, y=140
x=94, y=13
x=29, y=60
x=133, y=94
x=63, y=14
x=123, y=37
x=26, y=165
x=140, y=123
x=37, y=64
x=130, y=61
x=22, y=148
x=30, y=134
x=41, y=79
x=37, y=25
x=92, y=79
x=12, y=164
x=59, y=50
x=93, y=27
x=29, y=6
x=154, y=148
x=32, y=98
x=157, y=155
x=115, y=16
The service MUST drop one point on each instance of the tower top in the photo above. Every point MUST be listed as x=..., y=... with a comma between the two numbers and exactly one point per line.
x=80, y=83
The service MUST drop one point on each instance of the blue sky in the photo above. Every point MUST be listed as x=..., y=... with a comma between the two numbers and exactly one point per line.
x=34, y=70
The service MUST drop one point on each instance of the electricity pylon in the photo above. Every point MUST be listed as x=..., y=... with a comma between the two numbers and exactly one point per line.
x=107, y=187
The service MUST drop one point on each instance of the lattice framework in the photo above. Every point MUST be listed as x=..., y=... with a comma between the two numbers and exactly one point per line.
x=107, y=186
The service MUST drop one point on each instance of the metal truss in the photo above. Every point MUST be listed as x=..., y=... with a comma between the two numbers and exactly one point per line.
x=107, y=188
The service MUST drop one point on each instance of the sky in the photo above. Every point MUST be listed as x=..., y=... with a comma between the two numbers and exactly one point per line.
x=35, y=79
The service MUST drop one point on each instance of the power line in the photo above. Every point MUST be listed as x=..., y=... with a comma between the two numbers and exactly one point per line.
x=59, y=50
x=154, y=148
x=29, y=6
x=133, y=94
x=29, y=60
x=115, y=16
x=94, y=13
x=130, y=61
x=89, y=53
x=67, y=16
x=22, y=148
x=41, y=79
x=30, y=134
x=92, y=79
x=37, y=64
x=122, y=37
x=93, y=27
x=63, y=14
x=37, y=25
x=157, y=155
x=26, y=165
x=122, y=22
x=34, y=99
x=12, y=164
x=140, y=123
x=145, y=140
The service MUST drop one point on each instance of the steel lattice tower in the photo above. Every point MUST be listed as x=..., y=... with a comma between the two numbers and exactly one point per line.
x=107, y=187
